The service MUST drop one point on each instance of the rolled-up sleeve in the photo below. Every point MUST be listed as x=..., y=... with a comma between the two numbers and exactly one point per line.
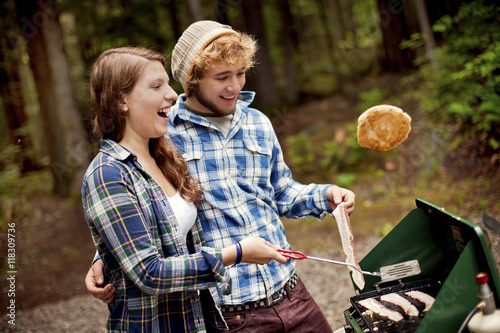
x=293, y=199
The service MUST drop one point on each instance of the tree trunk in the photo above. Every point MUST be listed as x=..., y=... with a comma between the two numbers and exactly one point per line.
x=353, y=29
x=65, y=137
x=288, y=39
x=338, y=22
x=222, y=12
x=176, y=25
x=394, y=31
x=438, y=8
x=329, y=38
x=425, y=26
x=263, y=78
x=11, y=89
x=195, y=10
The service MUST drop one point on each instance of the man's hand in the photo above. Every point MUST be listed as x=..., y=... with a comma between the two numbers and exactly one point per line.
x=95, y=279
x=336, y=195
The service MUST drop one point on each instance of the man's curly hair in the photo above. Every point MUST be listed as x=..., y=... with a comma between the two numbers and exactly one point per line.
x=231, y=49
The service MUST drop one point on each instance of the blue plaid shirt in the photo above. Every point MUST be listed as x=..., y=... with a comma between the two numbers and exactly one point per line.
x=247, y=187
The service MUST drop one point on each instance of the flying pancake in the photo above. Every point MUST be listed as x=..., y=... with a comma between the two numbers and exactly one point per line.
x=383, y=127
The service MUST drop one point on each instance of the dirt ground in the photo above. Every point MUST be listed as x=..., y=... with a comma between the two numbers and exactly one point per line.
x=53, y=252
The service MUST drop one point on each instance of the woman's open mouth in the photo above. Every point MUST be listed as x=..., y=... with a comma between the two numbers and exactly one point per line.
x=163, y=112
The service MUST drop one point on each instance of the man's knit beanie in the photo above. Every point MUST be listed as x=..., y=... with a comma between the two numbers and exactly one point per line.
x=194, y=39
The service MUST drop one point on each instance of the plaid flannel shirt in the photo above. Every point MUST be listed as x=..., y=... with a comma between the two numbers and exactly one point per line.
x=147, y=259
x=247, y=187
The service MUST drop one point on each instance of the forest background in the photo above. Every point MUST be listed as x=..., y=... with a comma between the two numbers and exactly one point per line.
x=321, y=63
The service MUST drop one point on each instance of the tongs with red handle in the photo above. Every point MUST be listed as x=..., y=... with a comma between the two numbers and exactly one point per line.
x=299, y=256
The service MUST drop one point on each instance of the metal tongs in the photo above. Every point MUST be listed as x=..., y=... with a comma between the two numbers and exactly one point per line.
x=299, y=256
x=392, y=272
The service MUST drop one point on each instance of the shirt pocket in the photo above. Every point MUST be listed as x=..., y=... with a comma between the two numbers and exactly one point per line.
x=255, y=167
x=192, y=155
x=257, y=146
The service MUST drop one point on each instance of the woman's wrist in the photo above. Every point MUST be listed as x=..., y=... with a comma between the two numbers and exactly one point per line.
x=239, y=253
x=232, y=255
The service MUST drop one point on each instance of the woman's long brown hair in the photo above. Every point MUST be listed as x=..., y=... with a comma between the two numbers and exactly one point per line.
x=114, y=75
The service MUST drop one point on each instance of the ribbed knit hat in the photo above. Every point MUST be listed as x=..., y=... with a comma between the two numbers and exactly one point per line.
x=194, y=39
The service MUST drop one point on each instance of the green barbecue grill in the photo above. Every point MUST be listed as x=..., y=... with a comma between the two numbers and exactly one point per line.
x=450, y=252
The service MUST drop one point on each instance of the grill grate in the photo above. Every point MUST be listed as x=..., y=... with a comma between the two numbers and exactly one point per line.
x=371, y=322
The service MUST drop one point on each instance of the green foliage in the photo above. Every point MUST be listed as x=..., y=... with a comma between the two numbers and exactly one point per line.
x=16, y=187
x=320, y=84
x=336, y=157
x=300, y=154
x=372, y=97
x=324, y=158
x=464, y=87
x=109, y=24
x=333, y=47
x=386, y=229
x=346, y=179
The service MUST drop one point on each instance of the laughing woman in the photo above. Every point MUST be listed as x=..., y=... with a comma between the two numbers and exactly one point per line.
x=140, y=206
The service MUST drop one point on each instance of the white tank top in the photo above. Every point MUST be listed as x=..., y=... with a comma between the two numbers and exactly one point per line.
x=184, y=211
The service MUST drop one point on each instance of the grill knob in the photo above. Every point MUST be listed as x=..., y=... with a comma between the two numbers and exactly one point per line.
x=348, y=329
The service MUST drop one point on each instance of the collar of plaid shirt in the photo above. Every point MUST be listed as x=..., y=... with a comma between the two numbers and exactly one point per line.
x=247, y=188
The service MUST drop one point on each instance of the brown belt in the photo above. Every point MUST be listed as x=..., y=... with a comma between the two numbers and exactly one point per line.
x=265, y=302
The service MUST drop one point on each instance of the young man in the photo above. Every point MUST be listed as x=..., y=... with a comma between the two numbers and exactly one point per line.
x=233, y=151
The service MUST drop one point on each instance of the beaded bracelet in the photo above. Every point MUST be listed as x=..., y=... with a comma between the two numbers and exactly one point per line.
x=239, y=253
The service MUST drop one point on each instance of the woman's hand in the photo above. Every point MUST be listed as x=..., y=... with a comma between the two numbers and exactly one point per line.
x=94, y=280
x=254, y=250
